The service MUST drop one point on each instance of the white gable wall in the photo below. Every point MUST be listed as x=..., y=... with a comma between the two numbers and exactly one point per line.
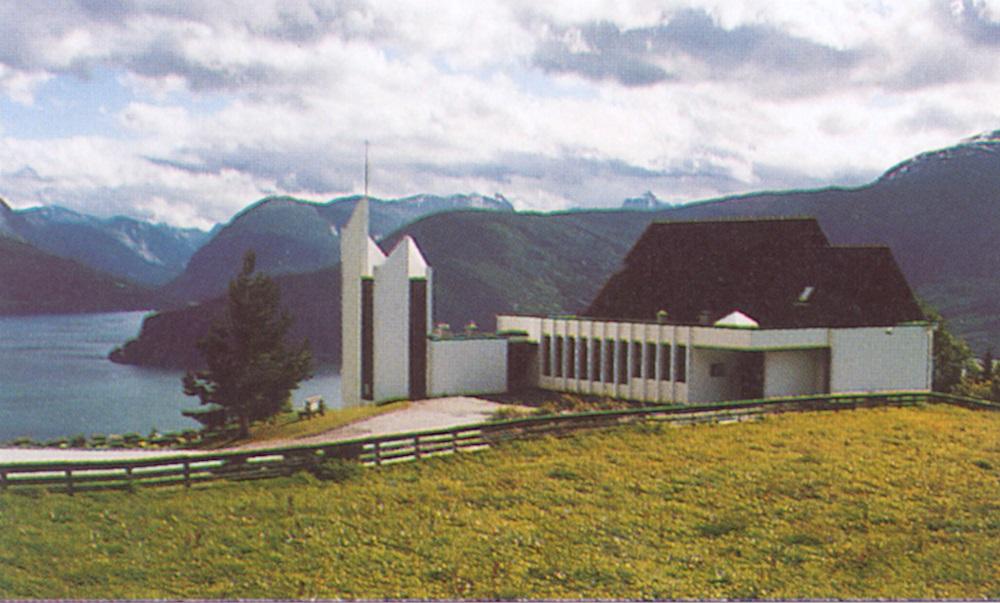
x=881, y=359
x=392, y=327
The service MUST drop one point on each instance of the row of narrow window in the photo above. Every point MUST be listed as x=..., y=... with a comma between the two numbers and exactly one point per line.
x=594, y=360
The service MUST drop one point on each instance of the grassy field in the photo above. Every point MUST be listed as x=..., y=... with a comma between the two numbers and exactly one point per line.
x=900, y=503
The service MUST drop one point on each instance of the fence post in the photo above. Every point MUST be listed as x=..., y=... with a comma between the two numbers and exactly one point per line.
x=416, y=447
x=3, y=481
x=128, y=476
x=454, y=441
x=378, y=452
x=69, y=481
x=187, y=473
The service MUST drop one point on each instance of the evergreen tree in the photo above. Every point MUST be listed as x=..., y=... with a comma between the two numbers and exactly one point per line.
x=952, y=355
x=995, y=386
x=987, y=371
x=250, y=371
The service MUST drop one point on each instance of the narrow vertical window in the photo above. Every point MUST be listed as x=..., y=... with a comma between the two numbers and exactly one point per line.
x=650, y=361
x=418, y=338
x=367, y=339
x=622, y=361
x=609, y=360
x=681, y=364
x=597, y=372
x=546, y=357
x=584, y=373
x=571, y=357
x=559, y=357
x=636, y=360
x=665, y=362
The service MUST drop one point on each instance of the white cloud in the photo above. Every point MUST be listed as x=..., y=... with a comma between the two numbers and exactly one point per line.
x=230, y=104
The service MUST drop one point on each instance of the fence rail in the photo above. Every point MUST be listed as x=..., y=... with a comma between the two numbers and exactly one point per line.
x=75, y=476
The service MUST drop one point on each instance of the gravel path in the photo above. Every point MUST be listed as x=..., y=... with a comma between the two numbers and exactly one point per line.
x=423, y=415
x=438, y=413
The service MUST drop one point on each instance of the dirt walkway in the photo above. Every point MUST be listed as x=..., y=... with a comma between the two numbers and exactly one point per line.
x=438, y=413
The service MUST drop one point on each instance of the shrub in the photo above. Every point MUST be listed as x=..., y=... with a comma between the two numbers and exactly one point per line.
x=336, y=470
x=802, y=539
x=721, y=527
x=509, y=412
x=564, y=474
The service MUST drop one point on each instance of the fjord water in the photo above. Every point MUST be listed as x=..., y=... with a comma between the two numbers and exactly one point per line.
x=56, y=380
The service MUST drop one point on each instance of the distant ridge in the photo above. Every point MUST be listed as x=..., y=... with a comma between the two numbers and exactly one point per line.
x=940, y=216
x=291, y=235
x=35, y=282
x=146, y=253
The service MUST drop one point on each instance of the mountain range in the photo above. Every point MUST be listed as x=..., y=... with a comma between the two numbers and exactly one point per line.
x=161, y=262
x=144, y=253
x=292, y=236
x=939, y=212
x=33, y=282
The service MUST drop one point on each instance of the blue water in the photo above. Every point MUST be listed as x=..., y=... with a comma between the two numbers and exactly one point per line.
x=56, y=380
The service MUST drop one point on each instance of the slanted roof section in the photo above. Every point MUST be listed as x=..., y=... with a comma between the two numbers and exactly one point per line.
x=782, y=272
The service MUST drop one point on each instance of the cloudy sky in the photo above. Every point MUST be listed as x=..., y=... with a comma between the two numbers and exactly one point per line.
x=185, y=112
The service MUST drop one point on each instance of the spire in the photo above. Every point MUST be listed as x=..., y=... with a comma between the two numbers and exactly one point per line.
x=366, y=170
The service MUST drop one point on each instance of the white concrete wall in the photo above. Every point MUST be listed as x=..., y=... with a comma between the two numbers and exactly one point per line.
x=392, y=318
x=466, y=366
x=880, y=359
x=794, y=372
x=646, y=387
x=392, y=329
x=702, y=387
x=530, y=324
x=359, y=255
x=860, y=359
x=779, y=339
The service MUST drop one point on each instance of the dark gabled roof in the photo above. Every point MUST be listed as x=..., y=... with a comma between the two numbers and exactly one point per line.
x=760, y=267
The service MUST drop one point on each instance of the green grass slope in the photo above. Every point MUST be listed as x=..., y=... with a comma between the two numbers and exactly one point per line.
x=882, y=503
x=35, y=282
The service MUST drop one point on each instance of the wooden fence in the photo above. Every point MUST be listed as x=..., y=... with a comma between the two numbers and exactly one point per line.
x=192, y=467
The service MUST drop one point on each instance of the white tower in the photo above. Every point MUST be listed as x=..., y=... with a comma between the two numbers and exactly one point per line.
x=358, y=257
x=402, y=322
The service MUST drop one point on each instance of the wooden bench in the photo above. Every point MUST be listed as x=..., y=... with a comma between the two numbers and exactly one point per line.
x=314, y=406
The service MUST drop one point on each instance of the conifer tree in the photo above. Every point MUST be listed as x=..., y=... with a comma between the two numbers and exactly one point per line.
x=250, y=371
x=952, y=356
x=987, y=370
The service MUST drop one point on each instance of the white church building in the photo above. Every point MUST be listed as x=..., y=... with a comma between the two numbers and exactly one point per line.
x=700, y=312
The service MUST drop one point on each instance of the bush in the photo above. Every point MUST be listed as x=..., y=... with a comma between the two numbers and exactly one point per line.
x=508, y=412
x=569, y=403
x=721, y=527
x=336, y=470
